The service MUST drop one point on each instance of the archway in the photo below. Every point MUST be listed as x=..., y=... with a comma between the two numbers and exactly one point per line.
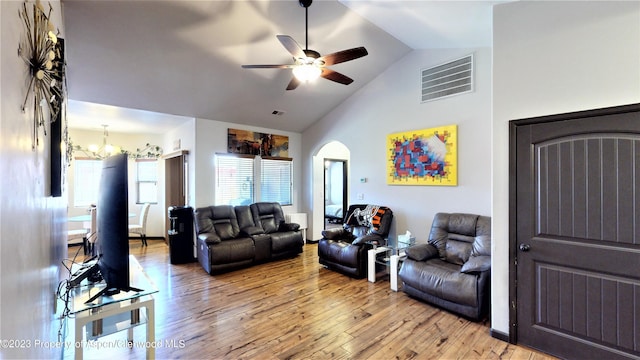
x=334, y=150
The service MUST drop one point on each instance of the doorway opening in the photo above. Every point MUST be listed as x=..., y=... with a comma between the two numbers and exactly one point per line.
x=335, y=192
x=333, y=150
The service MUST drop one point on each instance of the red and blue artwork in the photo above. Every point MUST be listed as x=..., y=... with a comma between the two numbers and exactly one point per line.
x=423, y=158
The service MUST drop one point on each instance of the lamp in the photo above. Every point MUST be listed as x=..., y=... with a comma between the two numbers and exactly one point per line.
x=307, y=72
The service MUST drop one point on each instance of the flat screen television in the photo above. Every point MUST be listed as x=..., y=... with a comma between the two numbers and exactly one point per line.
x=113, y=224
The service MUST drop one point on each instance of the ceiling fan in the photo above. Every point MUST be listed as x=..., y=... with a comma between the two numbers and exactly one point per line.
x=308, y=64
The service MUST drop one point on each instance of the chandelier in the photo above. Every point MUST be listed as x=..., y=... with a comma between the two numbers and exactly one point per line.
x=106, y=149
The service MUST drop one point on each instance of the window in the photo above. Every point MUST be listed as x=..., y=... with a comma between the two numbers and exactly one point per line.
x=234, y=180
x=238, y=183
x=86, y=180
x=275, y=181
x=147, y=181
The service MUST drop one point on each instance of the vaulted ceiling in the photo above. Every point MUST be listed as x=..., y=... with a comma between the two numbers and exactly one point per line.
x=145, y=65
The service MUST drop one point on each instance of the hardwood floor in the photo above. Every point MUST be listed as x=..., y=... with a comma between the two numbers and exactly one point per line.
x=295, y=309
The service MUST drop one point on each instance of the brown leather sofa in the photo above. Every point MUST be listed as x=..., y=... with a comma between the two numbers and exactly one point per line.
x=453, y=269
x=231, y=237
x=345, y=249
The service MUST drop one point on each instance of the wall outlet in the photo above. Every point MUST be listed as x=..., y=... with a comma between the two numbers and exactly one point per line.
x=360, y=196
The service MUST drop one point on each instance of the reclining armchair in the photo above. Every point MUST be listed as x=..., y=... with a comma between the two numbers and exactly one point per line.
x=345, y=249
x=453, y=269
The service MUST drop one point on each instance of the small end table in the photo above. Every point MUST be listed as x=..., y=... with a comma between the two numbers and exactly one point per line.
x=392, y=262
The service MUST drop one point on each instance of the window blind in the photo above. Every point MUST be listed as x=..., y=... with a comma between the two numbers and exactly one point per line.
x=234, y=180
x=275, y=181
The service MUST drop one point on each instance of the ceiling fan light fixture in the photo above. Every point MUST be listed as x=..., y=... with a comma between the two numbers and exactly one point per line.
x=306, y=72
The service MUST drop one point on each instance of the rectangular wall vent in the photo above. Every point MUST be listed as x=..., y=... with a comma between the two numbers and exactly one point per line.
x=448, y=79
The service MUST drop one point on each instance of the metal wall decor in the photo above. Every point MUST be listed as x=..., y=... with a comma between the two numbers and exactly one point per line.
x=39, y=51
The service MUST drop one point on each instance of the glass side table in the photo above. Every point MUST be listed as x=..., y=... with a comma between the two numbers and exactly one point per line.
x=390, y=256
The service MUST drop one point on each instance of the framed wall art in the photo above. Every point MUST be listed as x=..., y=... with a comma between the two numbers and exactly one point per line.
x=423, y=157
x=256, y=143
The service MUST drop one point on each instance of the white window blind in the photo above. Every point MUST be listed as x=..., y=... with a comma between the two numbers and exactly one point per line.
x=86, y=180
x=275, y=181
x=147, y=181
x=234, y=180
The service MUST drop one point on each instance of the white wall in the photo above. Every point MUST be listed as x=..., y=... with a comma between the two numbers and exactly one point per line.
x=390, y=104
x=211, y=138
x=129, y=142
x=549, y=58
x=32, y=227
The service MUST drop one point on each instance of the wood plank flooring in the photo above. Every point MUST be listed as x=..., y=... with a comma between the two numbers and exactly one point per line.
x=295, y=309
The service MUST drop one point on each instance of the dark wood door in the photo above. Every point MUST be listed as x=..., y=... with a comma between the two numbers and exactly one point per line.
x=175, y=171
x=575, y=228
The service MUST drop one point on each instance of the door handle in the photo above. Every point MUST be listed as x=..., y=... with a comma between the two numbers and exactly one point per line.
x=524, y=247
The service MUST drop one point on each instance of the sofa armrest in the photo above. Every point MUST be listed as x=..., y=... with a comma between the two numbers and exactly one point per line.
x=373, y=239
x=477, y=264
x=421, y=252
x=336, y=234
x=209, y=238
x=251, y=230
x=288, y=227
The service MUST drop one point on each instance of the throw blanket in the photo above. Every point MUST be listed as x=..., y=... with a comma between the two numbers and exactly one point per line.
x=370, y=216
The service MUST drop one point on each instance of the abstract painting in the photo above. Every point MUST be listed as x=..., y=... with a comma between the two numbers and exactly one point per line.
x=423, y=157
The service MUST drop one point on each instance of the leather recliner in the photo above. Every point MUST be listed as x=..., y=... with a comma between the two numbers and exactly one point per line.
x=453, y=269
x=345, y=249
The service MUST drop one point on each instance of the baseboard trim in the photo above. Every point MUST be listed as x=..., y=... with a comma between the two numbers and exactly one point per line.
x=499, y=335
x=312, y=241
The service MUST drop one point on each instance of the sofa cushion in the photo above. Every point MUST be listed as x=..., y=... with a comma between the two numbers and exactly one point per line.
x=220, y=219
x=457, y=252
x=338, y=252
x=231, y=251
x=267, y=215
x=453, y=236
x=441, y=279
x=225, y=230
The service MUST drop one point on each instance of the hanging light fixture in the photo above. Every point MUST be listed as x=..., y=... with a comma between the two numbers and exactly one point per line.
x=99, y=151
x=105, y=150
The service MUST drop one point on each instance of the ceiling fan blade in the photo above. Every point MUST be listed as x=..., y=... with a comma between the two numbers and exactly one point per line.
x=336, y=76
x=291, y=46
x=344, y=55
x=268, y=66
x=293, y=83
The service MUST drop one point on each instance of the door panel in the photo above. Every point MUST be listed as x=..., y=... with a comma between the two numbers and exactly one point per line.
x=578, y=221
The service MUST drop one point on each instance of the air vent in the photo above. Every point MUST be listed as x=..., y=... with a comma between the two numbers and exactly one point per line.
x=448, y=79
